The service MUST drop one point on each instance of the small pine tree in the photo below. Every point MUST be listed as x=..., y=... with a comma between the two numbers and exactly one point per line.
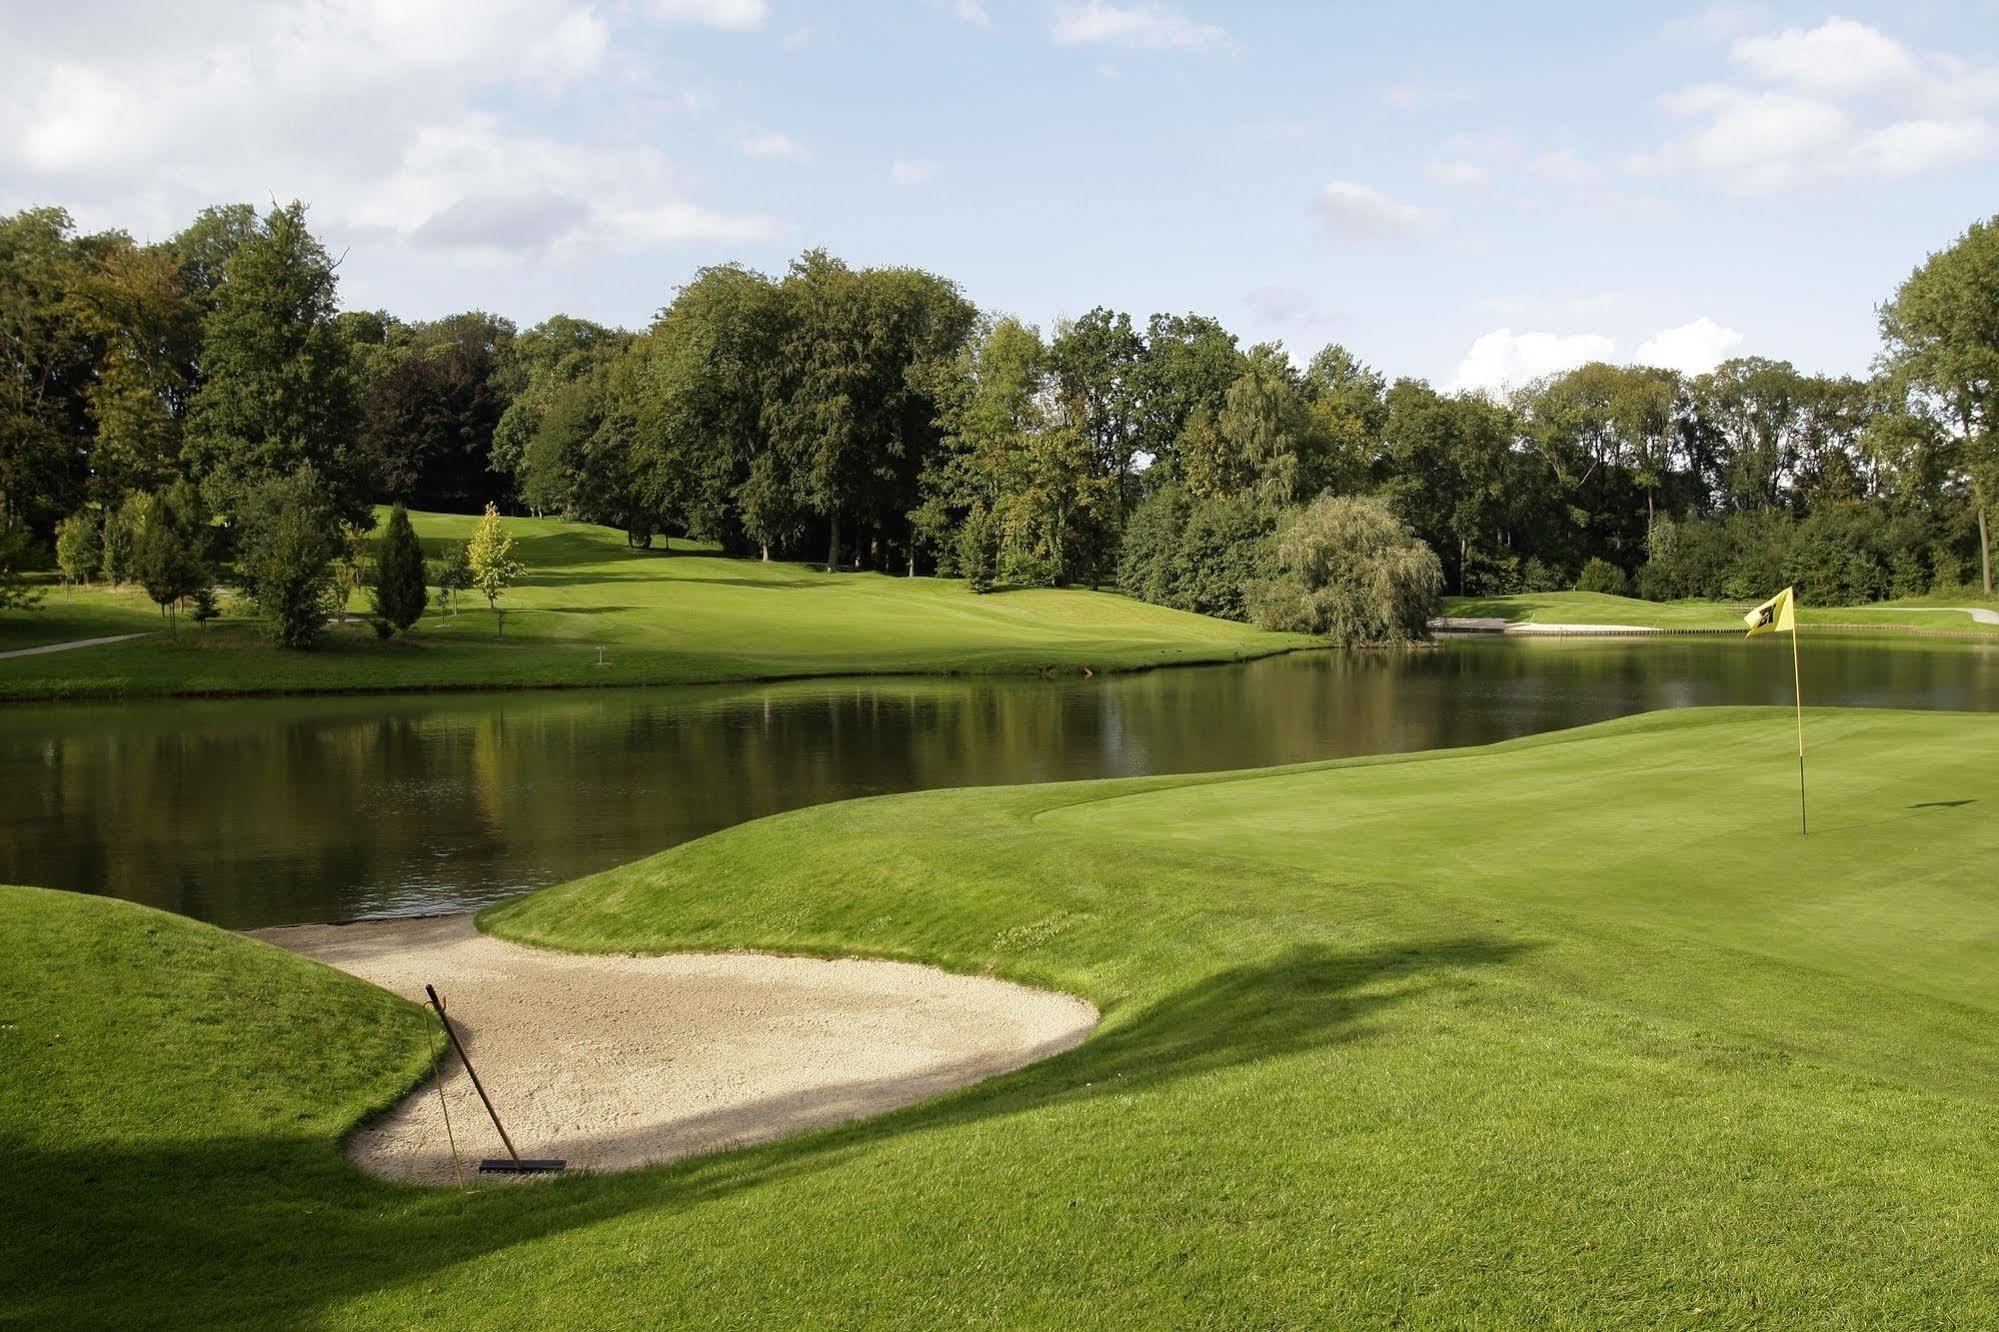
x=79, y=548
x=490, y=556
x=398, y=592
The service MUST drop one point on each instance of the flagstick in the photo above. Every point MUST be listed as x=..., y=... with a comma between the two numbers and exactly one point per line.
x=1798, y=695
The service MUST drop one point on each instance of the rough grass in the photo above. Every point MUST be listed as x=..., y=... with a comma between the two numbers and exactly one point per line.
x=1935, y=612
x=679, y=617
x=1573, y=1032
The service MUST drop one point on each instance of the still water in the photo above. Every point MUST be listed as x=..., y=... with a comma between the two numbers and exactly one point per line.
x=289, y=810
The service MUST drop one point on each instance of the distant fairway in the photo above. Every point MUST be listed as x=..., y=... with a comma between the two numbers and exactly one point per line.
x=1572, y=1031
x=684, y=617
x=1936, y=612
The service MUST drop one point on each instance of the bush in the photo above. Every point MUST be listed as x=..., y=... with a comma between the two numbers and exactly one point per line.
x=1540, y=576
x=291, y=537
x=1600, y=575
x=1349, y=568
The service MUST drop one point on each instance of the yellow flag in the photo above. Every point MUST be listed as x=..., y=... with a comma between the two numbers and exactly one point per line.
x=1777, y=615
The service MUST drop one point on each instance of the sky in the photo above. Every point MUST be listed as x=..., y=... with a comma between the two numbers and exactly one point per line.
x=1473, y=193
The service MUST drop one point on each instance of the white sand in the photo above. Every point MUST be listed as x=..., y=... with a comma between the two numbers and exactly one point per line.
x=617, y=1062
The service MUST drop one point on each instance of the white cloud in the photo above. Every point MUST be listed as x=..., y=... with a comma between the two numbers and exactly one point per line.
x=1503, y=359
x=1692, y=349
x=770, y=144
x=909, y=171
x=1459, y=175
x=732, y=15
x=1358, y=212
x=971, y=11
x=1839, y=58
x=1839, y=102
x=1134, y=25
x=368, y=109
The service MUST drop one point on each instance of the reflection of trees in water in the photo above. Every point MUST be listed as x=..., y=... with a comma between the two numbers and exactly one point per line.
x=255, y=812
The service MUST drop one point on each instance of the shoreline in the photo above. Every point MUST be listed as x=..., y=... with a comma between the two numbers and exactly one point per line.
x=1050, y=673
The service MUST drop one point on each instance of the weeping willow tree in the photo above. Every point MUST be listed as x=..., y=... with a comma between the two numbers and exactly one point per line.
x=1349, y=569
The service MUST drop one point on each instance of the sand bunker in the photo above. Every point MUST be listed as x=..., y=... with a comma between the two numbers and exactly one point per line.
x=619, y=1062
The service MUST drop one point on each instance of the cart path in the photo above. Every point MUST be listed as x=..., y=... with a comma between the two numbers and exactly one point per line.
x=64, y=647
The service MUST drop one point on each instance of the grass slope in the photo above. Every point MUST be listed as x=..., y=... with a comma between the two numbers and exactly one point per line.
x=685, y=617
x=1602, y=608
x=1567, y=1032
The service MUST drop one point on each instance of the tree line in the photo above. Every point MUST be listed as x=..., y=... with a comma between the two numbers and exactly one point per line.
x=874, y=418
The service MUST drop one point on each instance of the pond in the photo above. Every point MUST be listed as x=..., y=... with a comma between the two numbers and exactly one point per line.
x=265, y=812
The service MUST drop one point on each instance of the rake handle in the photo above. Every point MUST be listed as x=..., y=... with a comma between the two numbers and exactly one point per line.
x=471, y=1072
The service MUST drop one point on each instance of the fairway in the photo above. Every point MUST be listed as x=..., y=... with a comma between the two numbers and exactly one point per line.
x=1573, y=1031
x=1940, y=613
x=679, y=617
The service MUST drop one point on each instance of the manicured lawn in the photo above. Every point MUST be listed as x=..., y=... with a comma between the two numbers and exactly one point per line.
x=1601, y=608
x=1574, y=1031
x=684, y=617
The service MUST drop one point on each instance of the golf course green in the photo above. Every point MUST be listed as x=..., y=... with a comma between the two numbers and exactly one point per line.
x=688, y=615
x=1572, y=1031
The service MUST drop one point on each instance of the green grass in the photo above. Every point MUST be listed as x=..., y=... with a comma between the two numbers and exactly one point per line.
x=1573, y=1031
x=1603, y=608
x=689, y=616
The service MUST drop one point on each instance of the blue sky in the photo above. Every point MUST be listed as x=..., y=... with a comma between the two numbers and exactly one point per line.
x=1469, y=192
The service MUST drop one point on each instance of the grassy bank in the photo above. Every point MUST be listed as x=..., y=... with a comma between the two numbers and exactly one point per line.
x=1567, y=1032
x=1933, y=613
x=688, y=616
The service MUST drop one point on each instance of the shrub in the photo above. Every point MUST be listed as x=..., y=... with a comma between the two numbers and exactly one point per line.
x=1349, y=568
x=1540, y=576
x=1600, y=575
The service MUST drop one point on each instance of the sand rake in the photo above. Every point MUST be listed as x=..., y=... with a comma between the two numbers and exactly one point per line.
x=512, y=1163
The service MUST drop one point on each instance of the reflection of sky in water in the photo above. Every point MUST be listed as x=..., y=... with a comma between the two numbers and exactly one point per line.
x=251, y=813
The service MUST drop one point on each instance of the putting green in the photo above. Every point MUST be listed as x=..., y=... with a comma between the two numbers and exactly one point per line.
x=1568, y=1032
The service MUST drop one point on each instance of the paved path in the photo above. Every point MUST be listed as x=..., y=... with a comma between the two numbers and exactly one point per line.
x=64, y=647
x=1978, y=613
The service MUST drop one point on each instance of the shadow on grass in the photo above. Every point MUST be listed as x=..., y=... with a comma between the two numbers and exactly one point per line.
x=275, y=1229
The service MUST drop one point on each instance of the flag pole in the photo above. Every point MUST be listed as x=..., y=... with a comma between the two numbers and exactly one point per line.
x=1798, y=696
